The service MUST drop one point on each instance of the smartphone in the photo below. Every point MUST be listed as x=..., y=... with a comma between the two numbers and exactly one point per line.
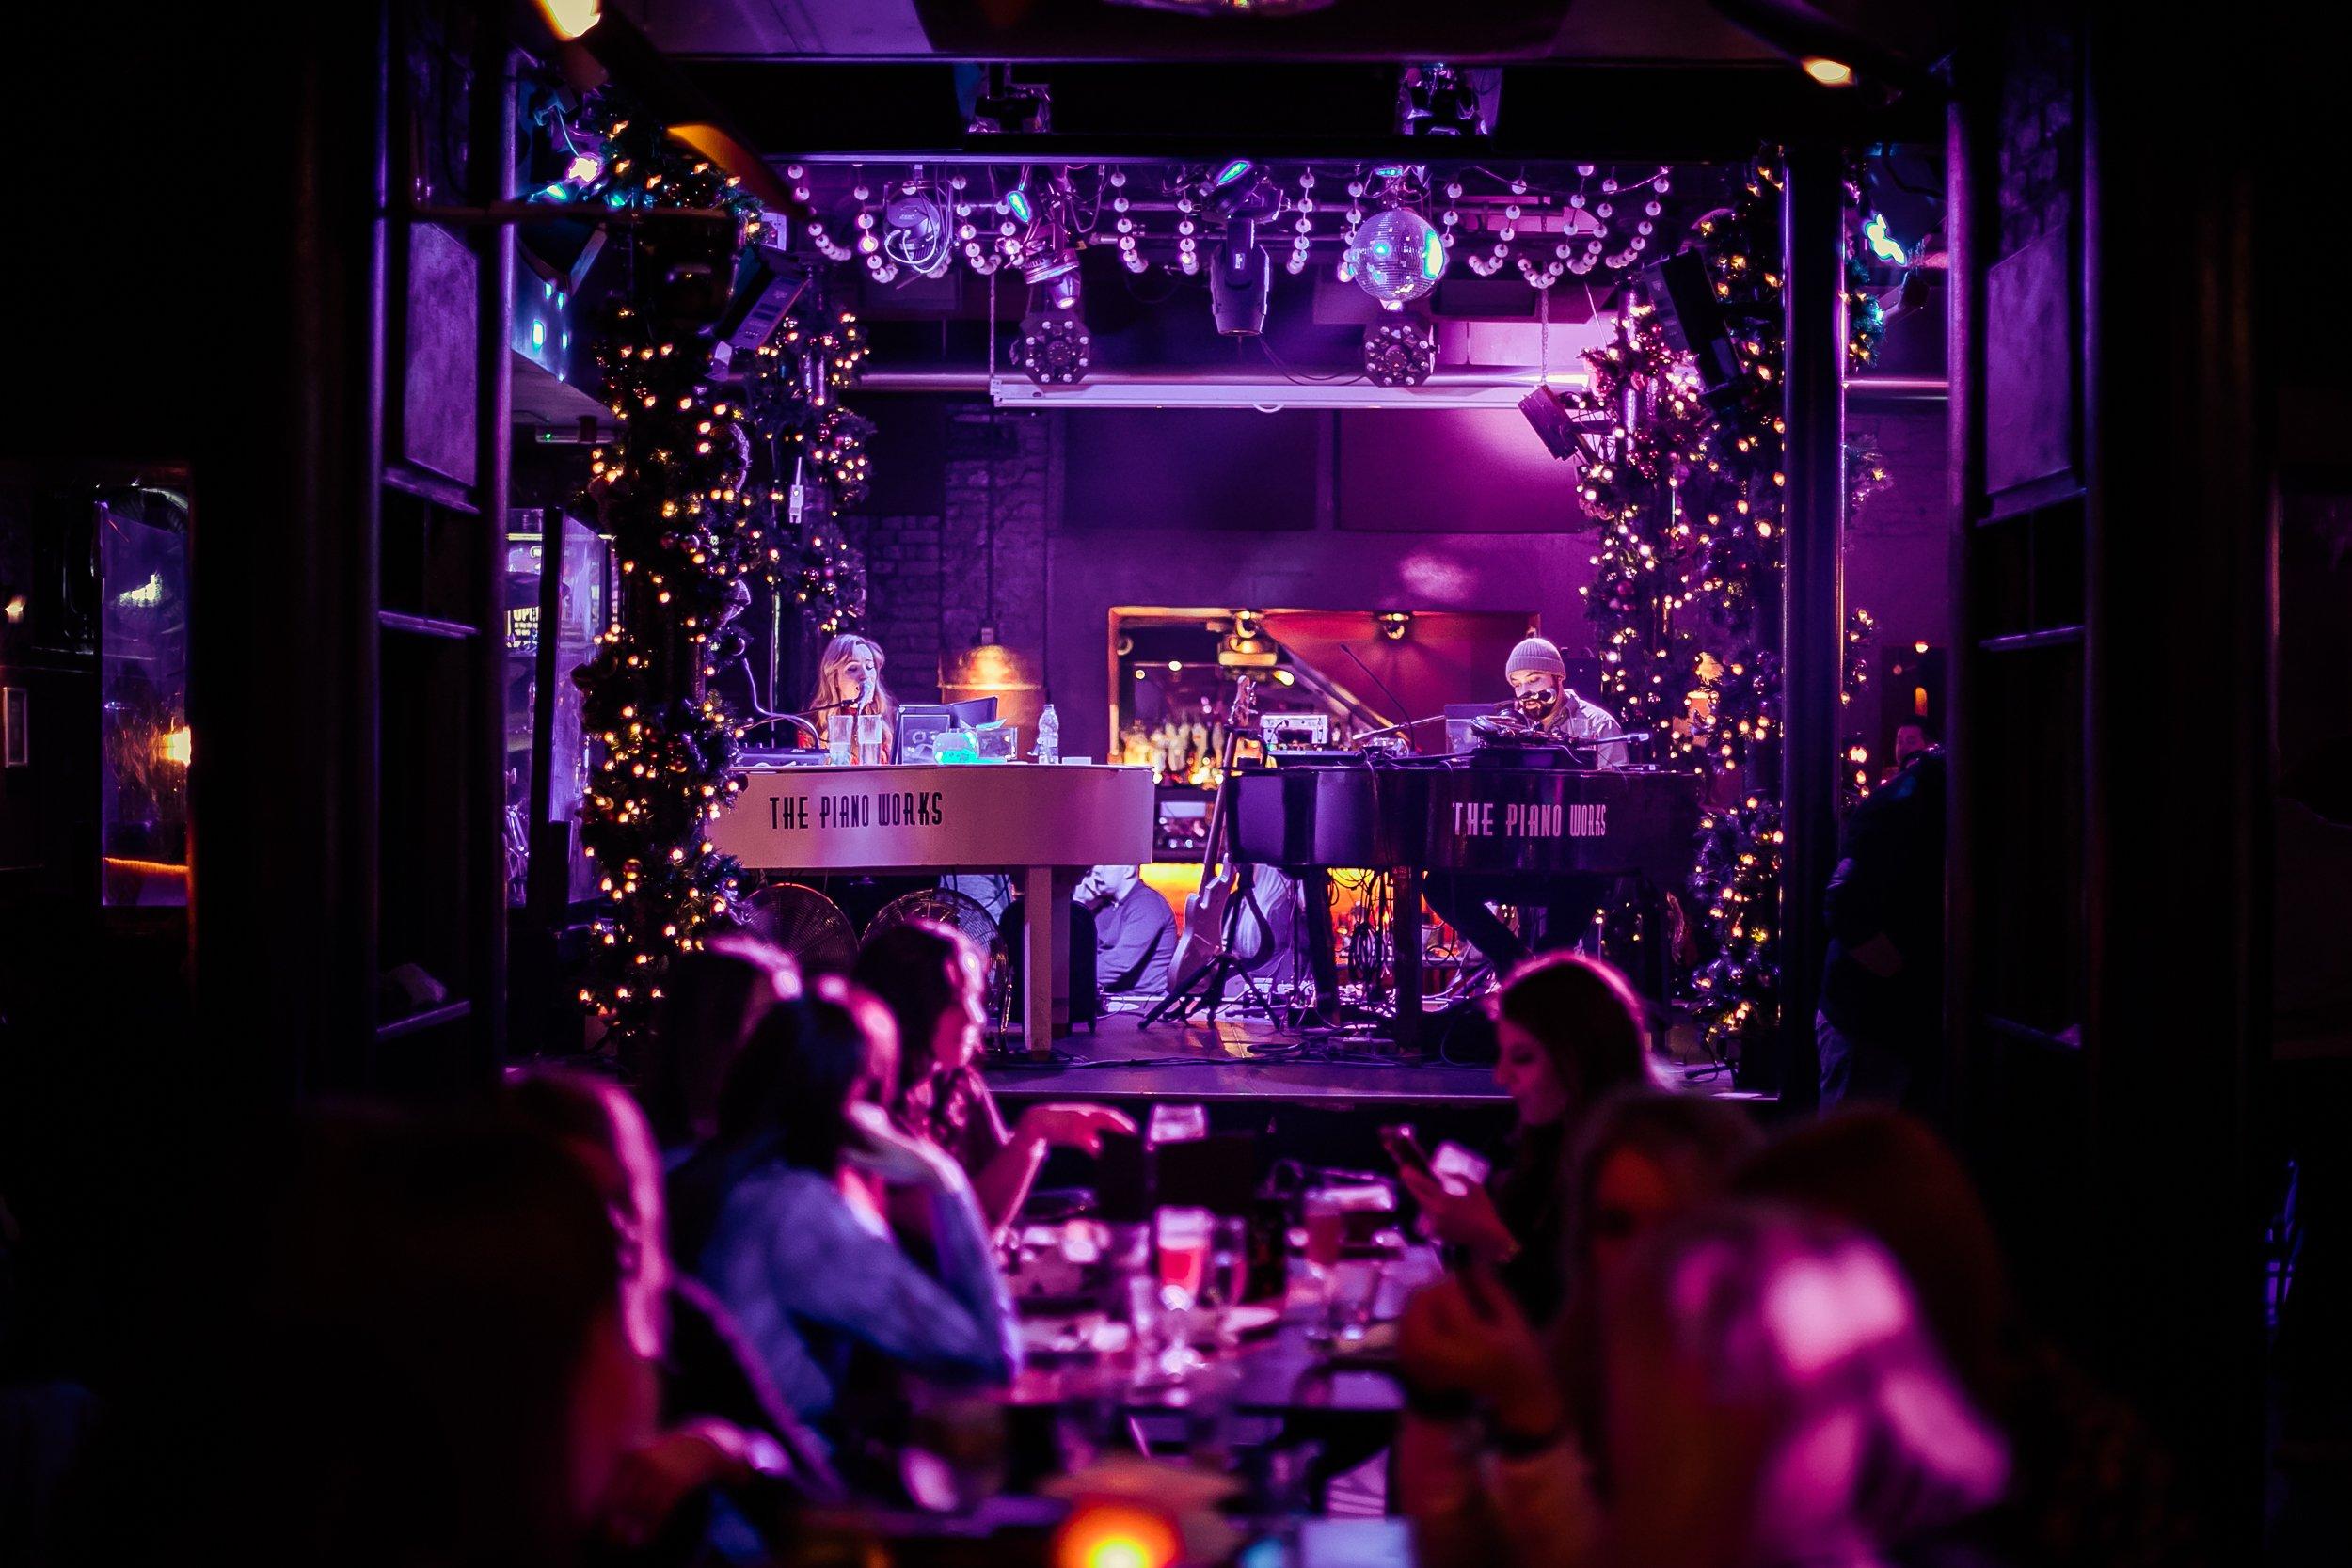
x=1405, y=1149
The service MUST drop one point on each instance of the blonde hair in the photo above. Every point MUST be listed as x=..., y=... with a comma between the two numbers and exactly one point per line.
x=832, y=685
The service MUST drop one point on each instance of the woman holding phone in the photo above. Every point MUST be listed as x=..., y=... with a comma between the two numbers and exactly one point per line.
x=1568, y=1031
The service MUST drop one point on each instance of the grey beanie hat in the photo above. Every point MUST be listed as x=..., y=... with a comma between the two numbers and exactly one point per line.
x=1536, y=654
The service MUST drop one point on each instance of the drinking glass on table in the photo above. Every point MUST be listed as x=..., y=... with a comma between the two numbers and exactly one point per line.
x=1355, y=1288
x=873, y=733
x=1186, y=1238
x=840, y=735
x=1176, y=1124
x=955, y=1457
x=1326, y=1230
x=1228, y=1278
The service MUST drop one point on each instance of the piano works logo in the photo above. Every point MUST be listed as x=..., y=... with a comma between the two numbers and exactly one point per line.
x=1529, y=819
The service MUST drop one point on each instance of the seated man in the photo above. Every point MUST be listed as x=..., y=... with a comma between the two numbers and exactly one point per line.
x=1134, y=930
x=1540, y=695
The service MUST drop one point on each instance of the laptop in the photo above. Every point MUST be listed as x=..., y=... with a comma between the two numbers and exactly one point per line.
x=920, y=724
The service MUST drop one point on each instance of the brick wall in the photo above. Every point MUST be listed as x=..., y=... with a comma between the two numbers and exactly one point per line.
x=927, y=576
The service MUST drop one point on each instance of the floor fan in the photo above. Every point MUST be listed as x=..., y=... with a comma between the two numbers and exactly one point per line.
x=806, y=924
x=957, y=911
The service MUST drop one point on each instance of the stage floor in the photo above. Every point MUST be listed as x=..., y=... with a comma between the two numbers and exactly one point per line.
x=1250, y=1059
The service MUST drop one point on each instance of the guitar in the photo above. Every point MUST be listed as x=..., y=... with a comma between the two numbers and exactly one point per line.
x=1220, y=878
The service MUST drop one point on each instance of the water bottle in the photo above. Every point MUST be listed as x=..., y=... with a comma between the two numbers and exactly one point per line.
x=1048, y=735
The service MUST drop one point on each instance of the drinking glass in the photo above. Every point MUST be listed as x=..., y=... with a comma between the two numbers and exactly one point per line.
x=1228, y=1278
x=840, y=735
x=1177, y=1124
x=956, y=1457
x=873, y=733
x=1186, y=1238
x=1355, y=1287
x=1326, y=1230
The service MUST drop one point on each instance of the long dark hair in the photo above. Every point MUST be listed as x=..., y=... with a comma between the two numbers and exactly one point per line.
x=921, y=972
x=1587, y=1019
x=711, y=998
x=790, y=1089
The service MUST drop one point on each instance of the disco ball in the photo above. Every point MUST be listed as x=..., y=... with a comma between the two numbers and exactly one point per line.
x=1398, y=256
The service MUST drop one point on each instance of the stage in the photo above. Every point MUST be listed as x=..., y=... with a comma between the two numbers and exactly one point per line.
x=1234, y=1059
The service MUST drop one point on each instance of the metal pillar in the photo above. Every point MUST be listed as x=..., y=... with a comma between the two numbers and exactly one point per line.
x=1812, y=592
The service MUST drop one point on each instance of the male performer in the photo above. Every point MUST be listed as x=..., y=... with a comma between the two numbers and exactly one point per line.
x=1538, y=678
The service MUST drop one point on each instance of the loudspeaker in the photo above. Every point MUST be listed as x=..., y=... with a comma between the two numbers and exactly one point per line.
x=1693, y=319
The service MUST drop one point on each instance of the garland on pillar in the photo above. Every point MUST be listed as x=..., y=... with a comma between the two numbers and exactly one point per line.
x=815, y=444
x=1688, y=491
x=690, y=527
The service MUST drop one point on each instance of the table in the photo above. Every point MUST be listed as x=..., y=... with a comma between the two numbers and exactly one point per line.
x=1050, y=823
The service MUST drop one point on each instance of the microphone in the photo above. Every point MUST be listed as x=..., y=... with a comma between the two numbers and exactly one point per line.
x=1387, y=729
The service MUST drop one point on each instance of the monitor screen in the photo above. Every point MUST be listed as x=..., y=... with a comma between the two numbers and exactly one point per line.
x=919, y=724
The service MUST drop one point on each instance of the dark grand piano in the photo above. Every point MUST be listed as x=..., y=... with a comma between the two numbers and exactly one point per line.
x=1510, y=826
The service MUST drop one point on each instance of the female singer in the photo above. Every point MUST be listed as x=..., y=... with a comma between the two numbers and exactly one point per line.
x=849, y=680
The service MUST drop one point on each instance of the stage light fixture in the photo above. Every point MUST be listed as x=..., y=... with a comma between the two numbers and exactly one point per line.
x=1053, y=348
x=767, y=282
x=919, y=237
x=1004, y=108
x=1829, y=72
x=1241, y=281
x=1392, y=624
x=1397, y=255
x=1569, y=433
x=1693, y=319
x=1399, y=354
x=1438, y=100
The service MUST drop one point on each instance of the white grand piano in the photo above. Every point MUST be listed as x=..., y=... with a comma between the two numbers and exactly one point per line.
x=1048, y=822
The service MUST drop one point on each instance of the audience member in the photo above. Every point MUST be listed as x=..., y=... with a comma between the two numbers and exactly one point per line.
x=1881, y=1003
x=930, y=978
x=723, y=1424
x=1768, y=1398
x=1774, y=1397
x=1485, y=1390
x=1568, y=1031
x=799, y=1251
x=2090, y=1486
x=711, y=999
x=437, y=1367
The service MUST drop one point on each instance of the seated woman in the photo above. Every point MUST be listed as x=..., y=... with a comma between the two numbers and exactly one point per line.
x=711, y=998
x=1771, y=1396
x=1485, y=1388
x=723, y=1423
x=799, y=1251
x=848, y=682
x=930, y=979
x=1569, y=1032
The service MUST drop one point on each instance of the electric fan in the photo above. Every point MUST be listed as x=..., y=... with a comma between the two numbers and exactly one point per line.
x=957, y=911
x=806, y=924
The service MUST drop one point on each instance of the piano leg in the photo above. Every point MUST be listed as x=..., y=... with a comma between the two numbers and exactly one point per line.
x=1045, y=894
x=1405, y=938
x=1321, y=941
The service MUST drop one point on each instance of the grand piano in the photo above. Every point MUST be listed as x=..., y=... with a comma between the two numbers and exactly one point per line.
x=1052, y=823
x=1507, y=826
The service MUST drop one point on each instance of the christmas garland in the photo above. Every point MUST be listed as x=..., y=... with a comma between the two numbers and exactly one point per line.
x=1688, y=493
x=692, y=526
